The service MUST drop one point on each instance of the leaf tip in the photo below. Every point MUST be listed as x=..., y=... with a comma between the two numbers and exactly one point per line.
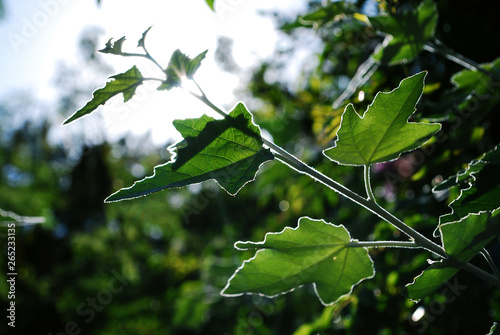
x=210, y=4
x=72, y=118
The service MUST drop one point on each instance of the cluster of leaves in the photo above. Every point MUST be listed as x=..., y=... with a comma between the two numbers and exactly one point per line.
x=231, y=150
x=69, y=254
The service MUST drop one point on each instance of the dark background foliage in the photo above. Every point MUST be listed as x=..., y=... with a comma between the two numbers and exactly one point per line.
x=156, y=265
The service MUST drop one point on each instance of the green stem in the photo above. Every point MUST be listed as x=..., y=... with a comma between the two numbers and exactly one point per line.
x=148, y=56
x=364, y=72
x=368, y=186
x=478, y=272
x=154, y=79
x=491, y=263
x=145, y=55
x=301, y=167
x=383, y=244
x=298, y=165
x=440, y=48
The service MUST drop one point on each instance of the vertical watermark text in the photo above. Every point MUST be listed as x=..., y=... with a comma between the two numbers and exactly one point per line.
x=11, y=274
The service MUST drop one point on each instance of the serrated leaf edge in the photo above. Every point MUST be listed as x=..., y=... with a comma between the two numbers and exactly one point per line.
x=173, y=151
x=73, y=117
x=292, y=289
x=436, y=232
x=432, y=262
x=367, y=109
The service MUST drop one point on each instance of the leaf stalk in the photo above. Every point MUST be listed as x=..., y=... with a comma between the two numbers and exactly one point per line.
x=383, y=244
x=368, y=186
x=419, y=240
x=436, y=46
x=491, y=263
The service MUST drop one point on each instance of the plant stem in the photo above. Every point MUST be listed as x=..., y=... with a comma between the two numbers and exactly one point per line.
x=146, y=55
x=383, y=244
x=364, y=72
x=368, y=186
x=300, y=166
x=491, y=263
x=154, y=79
x=419, y=240
x=203, y=98
x=488, y=277
x=439, y=47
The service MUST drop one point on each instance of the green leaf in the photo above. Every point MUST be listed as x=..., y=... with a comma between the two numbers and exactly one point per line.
x=180, y=66
x=210, y=3
x=383, y=132
x=323, y=322
x=125, y=83
x=316, y=252
x=462, y=240
x=480, y=187
x=229, y=151
x=407, y=33
x=474, y=81
x=328, y=13
x=142, y=42
x=115, y=48
x=480, y=91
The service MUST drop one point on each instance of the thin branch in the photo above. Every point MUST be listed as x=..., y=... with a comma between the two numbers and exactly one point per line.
x=491, y=263
x=440, y=48
x=296, y=164
x=383, y=244
x=203, y=98
x=364, y=72
x=368, y=186
x=301, y=167
x=153, y=79
x=146, y=55
x=478, y=272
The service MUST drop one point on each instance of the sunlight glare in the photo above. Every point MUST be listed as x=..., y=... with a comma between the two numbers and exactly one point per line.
x=418, y=314
x=186, y=25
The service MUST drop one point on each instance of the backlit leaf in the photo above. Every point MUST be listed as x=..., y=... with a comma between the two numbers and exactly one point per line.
x=125, y=83
x=480, y=91
x=475, y=81
x=142, y=41
x=481, y=187
x=229, y=151
x=114, y=48
x=180, y=66
x=462, y=240
x=406, y=33
x=327, y=13
x=210, y=3
x=316, y=252
x=383, y=132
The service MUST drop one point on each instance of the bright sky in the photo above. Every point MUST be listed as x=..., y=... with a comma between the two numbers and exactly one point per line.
x=36, y=33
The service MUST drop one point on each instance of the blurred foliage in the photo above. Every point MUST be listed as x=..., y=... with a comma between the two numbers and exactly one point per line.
x=156, y=265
